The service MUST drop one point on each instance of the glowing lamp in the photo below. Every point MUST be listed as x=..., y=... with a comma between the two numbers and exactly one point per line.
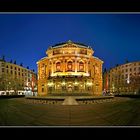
x=89, y=83
x=50, y=84
x=76, y=83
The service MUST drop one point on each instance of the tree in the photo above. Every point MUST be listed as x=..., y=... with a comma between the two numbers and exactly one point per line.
x=135, y=83
x=2, y=85
x=8, y=82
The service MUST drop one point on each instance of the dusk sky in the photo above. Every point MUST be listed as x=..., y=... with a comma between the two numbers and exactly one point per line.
x=25, y=38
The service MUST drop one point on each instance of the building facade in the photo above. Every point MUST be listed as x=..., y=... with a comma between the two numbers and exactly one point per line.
x=69, y=68
x=14, y=76
x=123, y=78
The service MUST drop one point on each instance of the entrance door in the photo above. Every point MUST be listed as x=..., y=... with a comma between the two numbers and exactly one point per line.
x=70, y=87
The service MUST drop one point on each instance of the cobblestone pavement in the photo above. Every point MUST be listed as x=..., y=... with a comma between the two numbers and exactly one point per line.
x=115, y=112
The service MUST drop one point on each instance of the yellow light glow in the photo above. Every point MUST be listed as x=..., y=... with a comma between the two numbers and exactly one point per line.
x=89, y=83
x=63, y=83
x=76, y=83
x=50, y=84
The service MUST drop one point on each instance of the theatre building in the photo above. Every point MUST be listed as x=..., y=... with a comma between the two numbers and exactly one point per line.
x=69, y=68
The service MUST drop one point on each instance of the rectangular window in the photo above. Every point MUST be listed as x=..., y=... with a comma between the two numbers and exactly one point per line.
x=2, y=69
x=2, y=65
x=126, y=75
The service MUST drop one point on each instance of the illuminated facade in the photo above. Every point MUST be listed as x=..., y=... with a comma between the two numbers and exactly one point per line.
x=11, y=72
x=123, y=78
x=69, y=68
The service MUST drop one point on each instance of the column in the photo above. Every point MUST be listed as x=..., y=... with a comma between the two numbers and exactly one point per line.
x=75, y=64
x=52, y=68
x=63, y=65
x=86, y=65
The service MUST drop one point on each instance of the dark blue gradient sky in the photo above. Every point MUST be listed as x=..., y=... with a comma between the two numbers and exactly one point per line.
x=115, y=38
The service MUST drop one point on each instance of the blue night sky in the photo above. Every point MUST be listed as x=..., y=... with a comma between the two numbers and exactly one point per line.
x=25, y=38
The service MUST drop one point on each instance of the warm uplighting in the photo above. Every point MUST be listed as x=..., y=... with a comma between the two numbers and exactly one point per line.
x=69, y=68
x=128, y=81
x=76, y=83
x=50, y=84
x=89, y=83
x=63, y=83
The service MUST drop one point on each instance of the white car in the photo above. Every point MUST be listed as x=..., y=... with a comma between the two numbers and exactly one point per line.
x=2, y=93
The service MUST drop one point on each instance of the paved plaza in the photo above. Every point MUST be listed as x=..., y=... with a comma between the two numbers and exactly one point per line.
x=117, y=112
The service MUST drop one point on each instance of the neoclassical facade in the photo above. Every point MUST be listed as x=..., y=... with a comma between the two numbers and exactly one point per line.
x=69, y=68
x=11, y=73
x=123, y=78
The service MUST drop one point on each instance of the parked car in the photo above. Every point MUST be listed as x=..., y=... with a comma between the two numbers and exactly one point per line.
x=2, y=93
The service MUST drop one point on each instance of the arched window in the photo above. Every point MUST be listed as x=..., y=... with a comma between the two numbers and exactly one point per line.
x=69, y=66
x=81, y=66
x=58, y=66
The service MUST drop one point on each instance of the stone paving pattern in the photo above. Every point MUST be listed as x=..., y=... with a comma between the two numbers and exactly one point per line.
x=118, y=112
